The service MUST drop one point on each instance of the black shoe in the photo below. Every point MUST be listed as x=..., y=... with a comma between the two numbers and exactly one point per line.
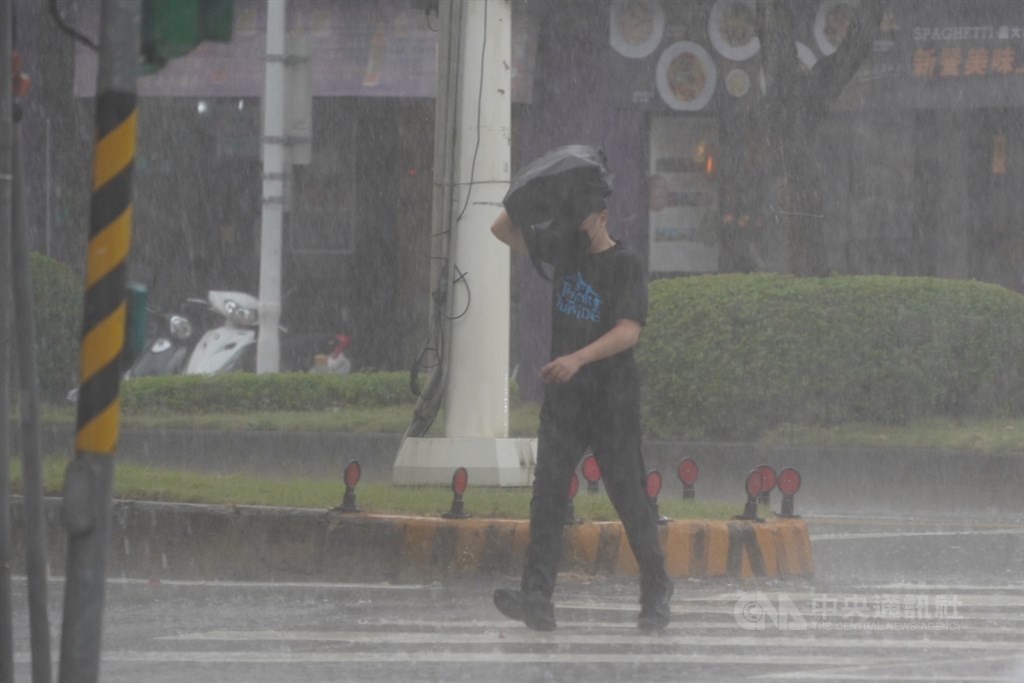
x=530, y=608
x=656, y=611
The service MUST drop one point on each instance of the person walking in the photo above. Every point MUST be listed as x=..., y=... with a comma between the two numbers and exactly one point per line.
x=591, y=395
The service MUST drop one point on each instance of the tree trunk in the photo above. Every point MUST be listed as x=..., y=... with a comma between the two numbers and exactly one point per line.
x=779, y=138
x=741, y=189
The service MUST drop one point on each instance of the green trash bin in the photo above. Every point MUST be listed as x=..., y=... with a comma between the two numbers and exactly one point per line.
x=136, y=297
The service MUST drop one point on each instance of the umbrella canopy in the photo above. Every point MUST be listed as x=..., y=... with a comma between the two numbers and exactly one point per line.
x=567, y=182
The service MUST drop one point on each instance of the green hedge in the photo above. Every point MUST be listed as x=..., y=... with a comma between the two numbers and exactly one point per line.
x=723, y=356
x=57, y=304
x=243, y=392
x=729, y=356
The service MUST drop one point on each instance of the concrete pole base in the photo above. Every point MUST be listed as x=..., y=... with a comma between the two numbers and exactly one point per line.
x=489, y=461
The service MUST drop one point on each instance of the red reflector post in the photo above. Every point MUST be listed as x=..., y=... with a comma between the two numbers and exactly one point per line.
x=460, y=480
x=353, y=472
x=789, y=481
x=767, y=484
x=570, y=509
x=789, y=484
x=687, y=473
x=752, y=484
x=653, y=488
x=653, y=483
x=591, y=472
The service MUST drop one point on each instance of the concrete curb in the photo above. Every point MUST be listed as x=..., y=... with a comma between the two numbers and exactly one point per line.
x=184, y=541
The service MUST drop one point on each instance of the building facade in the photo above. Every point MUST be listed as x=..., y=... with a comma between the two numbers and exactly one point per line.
x=920, y=159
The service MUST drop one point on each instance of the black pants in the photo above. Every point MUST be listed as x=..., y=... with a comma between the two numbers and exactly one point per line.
x=573, y=417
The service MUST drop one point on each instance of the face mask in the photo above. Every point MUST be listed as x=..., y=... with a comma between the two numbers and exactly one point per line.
x=575, y=241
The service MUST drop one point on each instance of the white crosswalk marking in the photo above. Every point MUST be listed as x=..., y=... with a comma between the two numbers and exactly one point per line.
x=376, y=632
x=978, y=637
x=1012, y=531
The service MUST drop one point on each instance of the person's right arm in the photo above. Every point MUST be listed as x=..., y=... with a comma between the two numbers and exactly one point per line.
x=508, y=232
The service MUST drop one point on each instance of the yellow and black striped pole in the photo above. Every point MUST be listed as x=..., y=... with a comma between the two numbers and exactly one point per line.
x=89, y=477
x=109, y=239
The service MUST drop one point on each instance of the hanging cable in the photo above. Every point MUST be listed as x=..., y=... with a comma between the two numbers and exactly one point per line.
x=440, y=292
x=85, y=40
x=469, y=294
x=479, y=108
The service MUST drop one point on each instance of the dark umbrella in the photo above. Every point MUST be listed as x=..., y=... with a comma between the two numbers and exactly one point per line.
x=566, y=182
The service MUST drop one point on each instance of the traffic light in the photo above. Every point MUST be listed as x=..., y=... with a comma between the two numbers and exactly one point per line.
x=172, y=28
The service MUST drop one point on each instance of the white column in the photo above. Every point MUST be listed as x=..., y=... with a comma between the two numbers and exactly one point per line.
x=476, y=401
x=274, y=157
x=476, y=396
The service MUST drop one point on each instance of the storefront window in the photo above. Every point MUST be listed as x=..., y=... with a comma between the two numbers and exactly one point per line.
x=683, y=195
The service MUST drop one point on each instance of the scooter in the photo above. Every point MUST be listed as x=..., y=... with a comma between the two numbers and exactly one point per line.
x=232, y=346
x=167, y=351
x=226, y=348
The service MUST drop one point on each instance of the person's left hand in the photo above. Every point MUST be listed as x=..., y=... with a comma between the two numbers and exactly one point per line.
x=560, y=370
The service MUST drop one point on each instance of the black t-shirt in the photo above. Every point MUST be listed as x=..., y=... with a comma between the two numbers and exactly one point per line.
x=590, y=294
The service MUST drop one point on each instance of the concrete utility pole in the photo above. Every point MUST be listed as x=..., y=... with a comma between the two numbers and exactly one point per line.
x=6, y=336
x=476, y=402
x=477, y=388
x=28, y=404
x=88, y=481
x=268, y=344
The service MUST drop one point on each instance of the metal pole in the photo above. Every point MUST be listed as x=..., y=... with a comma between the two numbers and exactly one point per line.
x=6, y=218
x=49, y=185
x=89, y=477
x=31, y=467
x=268, y=345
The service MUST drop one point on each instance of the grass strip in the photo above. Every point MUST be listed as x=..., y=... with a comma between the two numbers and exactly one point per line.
x=142, y=482
x=968, y=435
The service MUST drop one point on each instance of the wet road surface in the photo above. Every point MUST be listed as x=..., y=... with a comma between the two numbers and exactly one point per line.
x=894, y=599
